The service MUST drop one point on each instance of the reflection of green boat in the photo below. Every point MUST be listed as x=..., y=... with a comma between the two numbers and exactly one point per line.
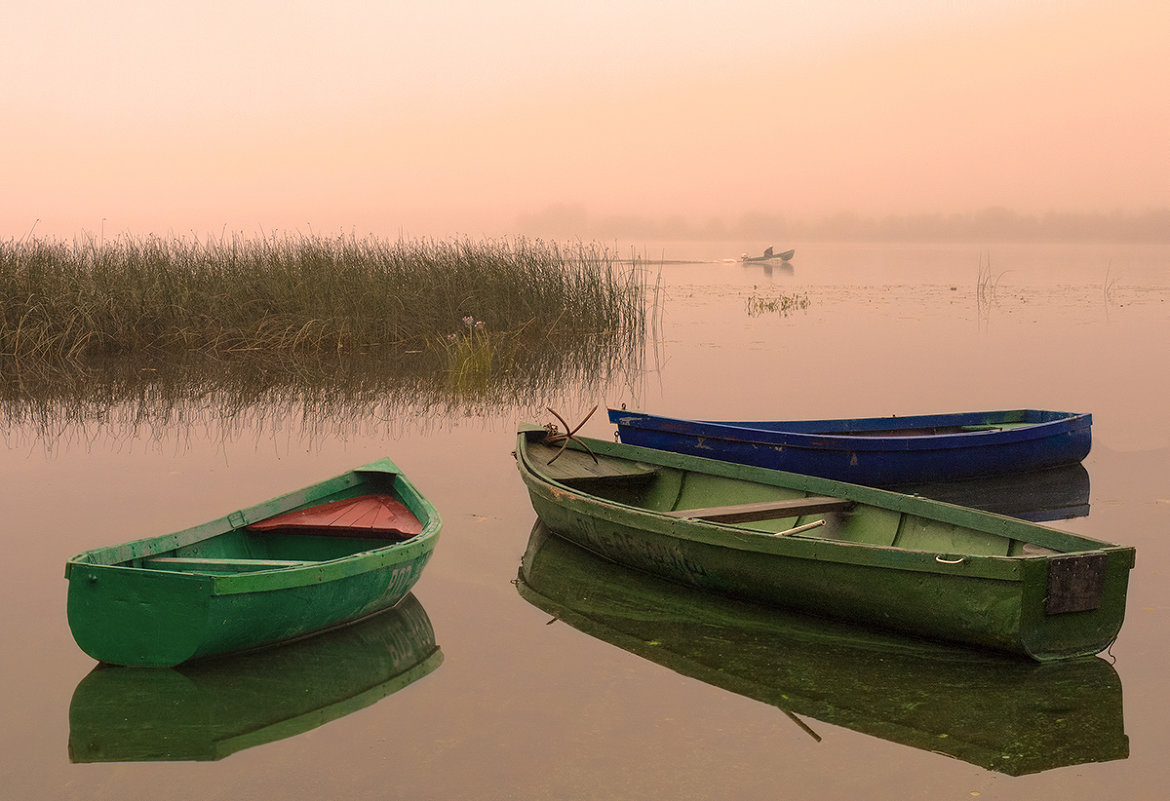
x=210, y=709
x=1004, y=714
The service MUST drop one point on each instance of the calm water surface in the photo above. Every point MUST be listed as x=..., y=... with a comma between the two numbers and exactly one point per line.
x=518, y=707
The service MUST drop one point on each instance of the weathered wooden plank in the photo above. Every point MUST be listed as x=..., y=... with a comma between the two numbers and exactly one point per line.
x=765, y=510
x=218, y=564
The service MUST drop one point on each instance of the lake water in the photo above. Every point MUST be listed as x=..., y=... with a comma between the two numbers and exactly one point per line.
x=520, y=707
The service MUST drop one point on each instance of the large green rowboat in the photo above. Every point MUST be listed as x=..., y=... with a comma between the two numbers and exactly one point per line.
x=304, y=562
x=1004, y=714
x=832, y=549
x=212, y=708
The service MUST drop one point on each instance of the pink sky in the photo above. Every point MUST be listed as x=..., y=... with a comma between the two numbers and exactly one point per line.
x=468, y=118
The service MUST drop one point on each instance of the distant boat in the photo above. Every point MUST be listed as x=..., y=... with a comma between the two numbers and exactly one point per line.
x=769, y=256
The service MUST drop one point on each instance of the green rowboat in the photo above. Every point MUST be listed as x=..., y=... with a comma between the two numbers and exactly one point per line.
x=1013, y=716
x=212, y=708
x=831, y=549
x=311, y=560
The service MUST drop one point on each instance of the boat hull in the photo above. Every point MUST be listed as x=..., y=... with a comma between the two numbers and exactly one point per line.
x=879, y=451
x=122, y=612
x=935, y=589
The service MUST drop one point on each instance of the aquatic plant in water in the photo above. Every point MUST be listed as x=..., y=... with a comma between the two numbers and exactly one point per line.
x=470, y=354
x=782, y=304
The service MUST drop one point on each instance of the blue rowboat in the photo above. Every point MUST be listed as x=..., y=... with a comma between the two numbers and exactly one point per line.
x=877, y=451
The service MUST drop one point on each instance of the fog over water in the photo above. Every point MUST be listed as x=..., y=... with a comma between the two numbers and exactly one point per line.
x=458, y=118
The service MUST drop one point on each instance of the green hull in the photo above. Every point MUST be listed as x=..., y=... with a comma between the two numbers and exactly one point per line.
x=125, y=612
x=889, y=560
x=214, y=708
x=1009, y=715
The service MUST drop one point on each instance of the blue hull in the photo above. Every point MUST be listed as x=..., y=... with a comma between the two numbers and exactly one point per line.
x=877, y=451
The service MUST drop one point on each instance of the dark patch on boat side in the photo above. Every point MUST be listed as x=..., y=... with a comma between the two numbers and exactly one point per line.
x=1075, y=583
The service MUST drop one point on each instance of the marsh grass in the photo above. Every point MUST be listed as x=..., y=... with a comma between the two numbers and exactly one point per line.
x=134, y=296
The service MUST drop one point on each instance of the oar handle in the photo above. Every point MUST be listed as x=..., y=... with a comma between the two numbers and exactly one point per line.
x=799, y=529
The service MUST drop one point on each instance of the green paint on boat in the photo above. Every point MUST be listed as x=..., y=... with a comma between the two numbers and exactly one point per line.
x=219, y=588
x=883, y=559
x=212, y=708
x=1010, y=715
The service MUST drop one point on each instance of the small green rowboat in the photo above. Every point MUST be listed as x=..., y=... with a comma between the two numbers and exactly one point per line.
x=831, y=549
x=308, y=561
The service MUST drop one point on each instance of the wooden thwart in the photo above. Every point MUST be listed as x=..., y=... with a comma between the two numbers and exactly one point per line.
x=217, y=564
x=765, y=510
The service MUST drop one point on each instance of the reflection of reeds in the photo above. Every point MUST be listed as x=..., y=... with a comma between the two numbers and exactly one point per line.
x=132, y=296
x=312, y=396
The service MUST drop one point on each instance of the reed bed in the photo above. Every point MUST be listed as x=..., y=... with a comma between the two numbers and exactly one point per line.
x=146, y=296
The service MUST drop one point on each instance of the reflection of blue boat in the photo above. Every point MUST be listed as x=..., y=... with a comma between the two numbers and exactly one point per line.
x=1058, y=493
x=877, y=451
x=1003, y=714
x=210, y=709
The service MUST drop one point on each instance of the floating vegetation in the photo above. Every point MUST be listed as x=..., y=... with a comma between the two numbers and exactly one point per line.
x=782, y=304
x=127, y=296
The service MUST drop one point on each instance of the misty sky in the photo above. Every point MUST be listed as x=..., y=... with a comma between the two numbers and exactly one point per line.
x=444, y=118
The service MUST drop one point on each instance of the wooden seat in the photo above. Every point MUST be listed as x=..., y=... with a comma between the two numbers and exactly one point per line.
x=217, y=564
x=765, y=510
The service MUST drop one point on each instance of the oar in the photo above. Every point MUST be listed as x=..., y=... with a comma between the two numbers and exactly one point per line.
x=799, y=529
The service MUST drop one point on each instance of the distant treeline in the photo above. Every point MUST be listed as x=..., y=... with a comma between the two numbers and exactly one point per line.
x=990, y=224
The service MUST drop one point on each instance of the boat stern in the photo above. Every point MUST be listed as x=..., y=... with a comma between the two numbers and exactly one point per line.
x=1075, y=604
x=136, y=618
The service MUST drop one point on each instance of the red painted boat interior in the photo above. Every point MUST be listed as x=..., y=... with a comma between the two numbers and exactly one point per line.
x=367, y=515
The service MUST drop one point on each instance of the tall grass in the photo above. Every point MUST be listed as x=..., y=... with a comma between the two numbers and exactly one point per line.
x=144, y=296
